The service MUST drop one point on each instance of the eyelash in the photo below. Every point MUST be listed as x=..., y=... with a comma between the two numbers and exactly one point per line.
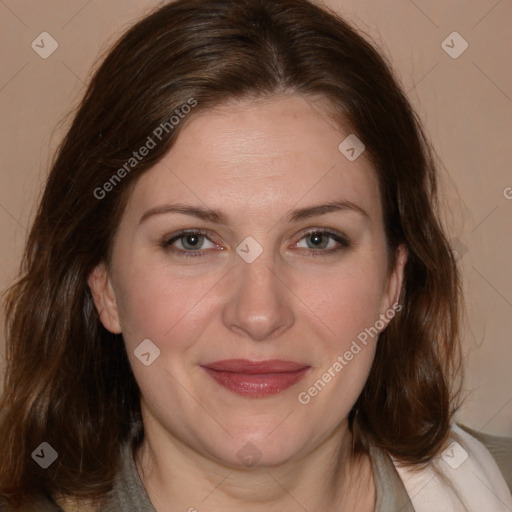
x=167, y=243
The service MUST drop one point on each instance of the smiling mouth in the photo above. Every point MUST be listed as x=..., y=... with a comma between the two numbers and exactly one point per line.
x=256, y=379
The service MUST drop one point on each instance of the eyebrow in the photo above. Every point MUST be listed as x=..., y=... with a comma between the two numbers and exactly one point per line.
x=219, y=217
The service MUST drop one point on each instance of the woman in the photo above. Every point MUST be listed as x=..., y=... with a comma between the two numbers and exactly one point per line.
x=236, y=292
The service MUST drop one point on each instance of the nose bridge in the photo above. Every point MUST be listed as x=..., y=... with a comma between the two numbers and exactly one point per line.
x=258, y=305
x=258, y=278
x=256, y=264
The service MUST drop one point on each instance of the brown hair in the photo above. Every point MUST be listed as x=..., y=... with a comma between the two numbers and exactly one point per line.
x=68, y=380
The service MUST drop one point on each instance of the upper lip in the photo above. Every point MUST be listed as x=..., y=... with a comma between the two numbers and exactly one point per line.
x=255, y=367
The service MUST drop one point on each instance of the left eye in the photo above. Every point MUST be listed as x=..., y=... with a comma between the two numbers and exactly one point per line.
x=324, y=241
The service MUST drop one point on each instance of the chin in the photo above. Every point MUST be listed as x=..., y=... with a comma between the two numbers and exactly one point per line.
x=257, y=449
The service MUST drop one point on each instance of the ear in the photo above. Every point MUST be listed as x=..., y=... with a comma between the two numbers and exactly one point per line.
x=394, y=281
x=104, y=298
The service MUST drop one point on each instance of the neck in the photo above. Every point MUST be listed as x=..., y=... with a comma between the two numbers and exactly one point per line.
x=177, y=478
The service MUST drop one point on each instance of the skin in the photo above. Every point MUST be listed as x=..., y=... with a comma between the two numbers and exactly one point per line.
x=256, y=161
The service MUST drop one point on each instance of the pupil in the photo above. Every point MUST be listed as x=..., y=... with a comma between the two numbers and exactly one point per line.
x=316, y=238
x=191, y=240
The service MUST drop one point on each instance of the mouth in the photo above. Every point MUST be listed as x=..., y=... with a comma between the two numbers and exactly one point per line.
x=256, y=378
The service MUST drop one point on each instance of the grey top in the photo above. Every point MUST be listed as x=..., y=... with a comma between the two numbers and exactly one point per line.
x=128, y=493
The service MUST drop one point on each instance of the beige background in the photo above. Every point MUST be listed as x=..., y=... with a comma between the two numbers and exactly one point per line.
x=465, y=103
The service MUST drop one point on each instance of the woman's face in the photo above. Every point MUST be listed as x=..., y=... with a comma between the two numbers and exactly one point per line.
x=274, y=274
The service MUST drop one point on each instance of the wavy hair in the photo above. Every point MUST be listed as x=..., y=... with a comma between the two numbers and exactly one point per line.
x=68, y=380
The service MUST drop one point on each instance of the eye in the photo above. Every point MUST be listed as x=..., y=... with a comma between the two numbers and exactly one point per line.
x=194, y=243
x=323, y=242
x=189, y=243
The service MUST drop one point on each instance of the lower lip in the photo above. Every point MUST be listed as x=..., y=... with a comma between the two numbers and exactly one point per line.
x=257, y=385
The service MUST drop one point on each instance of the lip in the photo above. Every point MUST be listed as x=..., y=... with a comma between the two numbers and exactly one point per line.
x=256, y=378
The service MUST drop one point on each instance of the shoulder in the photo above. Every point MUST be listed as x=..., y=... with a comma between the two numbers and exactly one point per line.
x=463, y=477
x=499, y=447
x=40, y=504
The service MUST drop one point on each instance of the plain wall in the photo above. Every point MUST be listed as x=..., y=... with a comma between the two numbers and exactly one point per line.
x=465, y=104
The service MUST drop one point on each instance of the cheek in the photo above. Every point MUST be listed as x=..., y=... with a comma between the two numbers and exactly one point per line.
x=344, y=303
x=170, y=311
x=162, y=306
x=345, y=313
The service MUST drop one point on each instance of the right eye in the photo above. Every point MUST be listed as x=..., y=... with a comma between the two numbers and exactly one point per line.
x=191, y=242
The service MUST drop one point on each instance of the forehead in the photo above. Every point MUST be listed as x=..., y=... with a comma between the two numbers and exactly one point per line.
x=260, y=156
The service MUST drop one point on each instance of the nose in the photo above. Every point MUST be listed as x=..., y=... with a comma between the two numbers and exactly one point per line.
x=260, y=304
